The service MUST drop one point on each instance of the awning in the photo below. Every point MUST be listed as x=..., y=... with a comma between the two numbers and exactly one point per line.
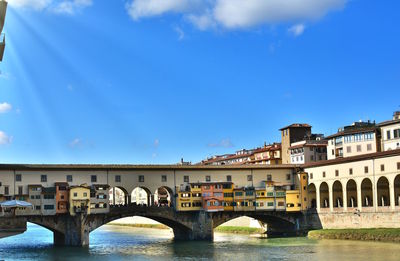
x=15, y=204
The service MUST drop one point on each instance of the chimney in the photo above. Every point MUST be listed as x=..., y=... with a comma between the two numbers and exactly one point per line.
x=396, y=115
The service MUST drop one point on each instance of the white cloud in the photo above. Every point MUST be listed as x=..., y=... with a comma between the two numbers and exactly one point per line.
x=180, y=32
x=156, y=143
x=4, y=138
x=75, y=143
x=56, y=6
x=5, y=107
x=234, y=14
x=297, y=29
x=224, y=143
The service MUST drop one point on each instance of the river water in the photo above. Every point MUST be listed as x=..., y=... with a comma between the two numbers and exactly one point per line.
x=125, y=243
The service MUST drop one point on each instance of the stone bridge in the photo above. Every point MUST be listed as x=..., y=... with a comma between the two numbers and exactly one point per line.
x=196, y=225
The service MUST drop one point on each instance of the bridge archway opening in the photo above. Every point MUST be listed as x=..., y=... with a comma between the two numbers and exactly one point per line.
x=337, y=194
x=118, y=196
x=141, y=196
x=366, y=193
x=312, y=195
x=383, y=192
x=324, y=195
x=397, y=190
x=243, y=223
x=351, y=190
x=163, y=197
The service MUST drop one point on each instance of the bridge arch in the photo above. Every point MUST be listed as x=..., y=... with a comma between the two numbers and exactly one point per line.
x=141, y=196
x=312, y=195
x=366, y=193
x=164, y=197
x=351, y=190
x=396, y=187
x=382, y=186
x=337, y=190
x=118, y=196
x=324, y=195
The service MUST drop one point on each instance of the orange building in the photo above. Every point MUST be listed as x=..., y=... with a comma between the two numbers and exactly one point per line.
x=212, y=196
x=62, y=197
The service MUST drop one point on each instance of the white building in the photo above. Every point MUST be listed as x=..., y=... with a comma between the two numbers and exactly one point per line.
x=391, y=133
x=306, y=151
x=357, y=139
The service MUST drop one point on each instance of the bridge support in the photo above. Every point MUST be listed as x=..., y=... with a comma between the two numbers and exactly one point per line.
x=201, y=229
x=76, y=232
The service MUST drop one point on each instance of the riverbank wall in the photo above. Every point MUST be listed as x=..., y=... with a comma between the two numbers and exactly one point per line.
x=363, y=234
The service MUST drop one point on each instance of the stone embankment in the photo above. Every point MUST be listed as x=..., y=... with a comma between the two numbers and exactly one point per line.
x=370, y=234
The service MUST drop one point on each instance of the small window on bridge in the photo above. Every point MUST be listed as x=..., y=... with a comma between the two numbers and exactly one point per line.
x=208, y=178
x=141, y=178
x=118, y=178
x=311, y=176
x=43, y=178
x=288, y=176
x=18, y=177
x=337, y=173
x=350, y=171
x=185, y=178
x=382, y=167
x=269, y=177
x=324, y=174
x=366, y=169
x=93, y=178
x=249, y=178
x=163, y=178
x=229, y=178
x=69, y=178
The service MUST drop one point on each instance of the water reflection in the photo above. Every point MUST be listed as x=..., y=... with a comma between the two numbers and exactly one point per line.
x=124, y=243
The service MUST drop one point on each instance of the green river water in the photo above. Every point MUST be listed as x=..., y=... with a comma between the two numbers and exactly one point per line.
x=125, y=243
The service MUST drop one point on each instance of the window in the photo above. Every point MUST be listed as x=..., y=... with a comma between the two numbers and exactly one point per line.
x=270, y=204
x=382, y=167
x=141, y=178
x=43, y=178
x=185, y=178
x=358, y=148
x=398, y=165
x=249, y=178
x=69, y=178
x=388, y=135
x=229, y=178
x=6, y=190
x=18, y=177
x=269, y=177
x=350, y=171
x=20, y=190
x=118, y=178
x=288, y=176
x=396, y=134
x=323, y=174
x=208, y=178
x=164, y=178
x=48, y=207
x=93, y=178
x=337, y=173
x=85, y=194
x=369, y=147
x=238, y=194
x=348, y=149
x=366, y=169
x=37, y=207
x=311, y=176
x=312, y=157
x=333, y=152
x=75, y=194
x=62, y=196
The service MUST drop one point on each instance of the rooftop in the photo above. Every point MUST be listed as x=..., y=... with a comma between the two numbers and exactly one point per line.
x=296, y=125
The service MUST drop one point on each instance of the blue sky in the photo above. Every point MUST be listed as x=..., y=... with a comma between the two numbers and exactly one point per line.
x=151, y=81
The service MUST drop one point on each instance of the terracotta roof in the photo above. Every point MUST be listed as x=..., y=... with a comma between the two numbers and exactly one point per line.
x=385, y=123
x=352, y=131
x=352, y=159
x=296, y=125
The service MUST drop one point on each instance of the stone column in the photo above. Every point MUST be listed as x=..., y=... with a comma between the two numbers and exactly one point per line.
x=318, y=198
x=344, y=191
x=375, y=195
x=330, y=189
x=202, y=228
x=391, y=194
x=359, y=198
x=76, y=233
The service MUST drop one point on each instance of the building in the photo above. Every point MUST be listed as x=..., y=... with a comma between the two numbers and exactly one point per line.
x=35, y=198
x=356, y=139
x=62, y=197
x=99, y=199
x=189, y=198
x=79, y=200
x=390, y=131
x=212, y=196
x=306, y=151
x=228, y=203
x=291, y=134
x=269, y=154
x=3, y=10
x=245, y=199
x=49, y=201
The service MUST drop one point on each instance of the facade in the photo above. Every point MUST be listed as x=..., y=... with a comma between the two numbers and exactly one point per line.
x=291, y=134
x=228, y=203
x=356, y=139
x=269, y=154
x=35, y=198
x=79, y=200
x=48, y=201
x=390, y=131
x=212, y=196
x=306, y=151
x=62, y=197
x=99, y=199
x=3, y=9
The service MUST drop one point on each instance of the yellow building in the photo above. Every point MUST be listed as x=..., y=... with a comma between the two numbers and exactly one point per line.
x=228, y=196
x=296, y=200
x=189, y=198
x=79, y=200
x=280, y=198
